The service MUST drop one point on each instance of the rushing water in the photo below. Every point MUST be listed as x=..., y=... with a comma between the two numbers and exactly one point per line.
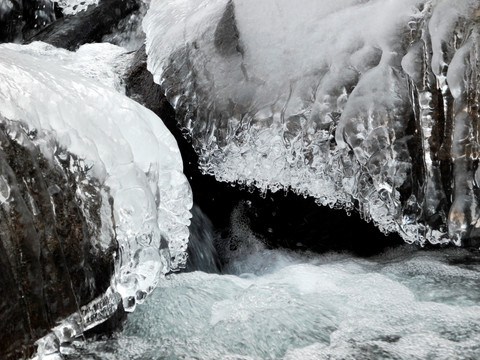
x=279, y=304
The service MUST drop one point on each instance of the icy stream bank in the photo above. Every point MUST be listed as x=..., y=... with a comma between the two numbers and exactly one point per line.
x=284, y=305
x=68, y=107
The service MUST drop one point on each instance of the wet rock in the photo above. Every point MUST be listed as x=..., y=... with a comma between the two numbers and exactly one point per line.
x=51, y=259
x=21, y=19
x=11, y=13
x=87, y=26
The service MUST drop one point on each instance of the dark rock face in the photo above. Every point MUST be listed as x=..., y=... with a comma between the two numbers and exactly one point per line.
x=21, y=19
x=139, y=86
x=87, y=26
x=51, y=260
x=279, y=219
x=11, y=21
x=42, y=20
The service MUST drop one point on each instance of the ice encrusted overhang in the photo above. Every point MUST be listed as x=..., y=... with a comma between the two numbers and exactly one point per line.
x=366, y=105
x=123, y=175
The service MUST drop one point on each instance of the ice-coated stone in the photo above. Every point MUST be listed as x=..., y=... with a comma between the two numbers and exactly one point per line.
x=72, y=7
x=119, y=145
x=366, y=105
x=277, y=217
x=57, y=242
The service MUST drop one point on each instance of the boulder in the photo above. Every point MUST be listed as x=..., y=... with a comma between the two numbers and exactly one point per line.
x=50, y=263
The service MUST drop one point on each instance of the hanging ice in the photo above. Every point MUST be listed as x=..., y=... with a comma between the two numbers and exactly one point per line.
x=347, y=101
x=123, y=146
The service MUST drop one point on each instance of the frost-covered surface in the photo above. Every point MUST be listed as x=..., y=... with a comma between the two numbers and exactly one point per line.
x=125, y=147
x=401, y=305
x=361, y=104
x=102, y=62
x=72, y=7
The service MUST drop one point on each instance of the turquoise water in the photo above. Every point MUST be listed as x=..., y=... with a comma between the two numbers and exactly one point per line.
x=274, y=304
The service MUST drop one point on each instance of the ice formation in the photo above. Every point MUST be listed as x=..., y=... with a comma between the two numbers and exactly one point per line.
x=72, y=7
x=122, y=145
x=363, y=104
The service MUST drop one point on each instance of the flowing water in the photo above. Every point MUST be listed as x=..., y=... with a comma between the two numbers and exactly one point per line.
x=277, y=304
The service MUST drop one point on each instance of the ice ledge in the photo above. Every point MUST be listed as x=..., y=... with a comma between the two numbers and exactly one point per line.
x=365, y=105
